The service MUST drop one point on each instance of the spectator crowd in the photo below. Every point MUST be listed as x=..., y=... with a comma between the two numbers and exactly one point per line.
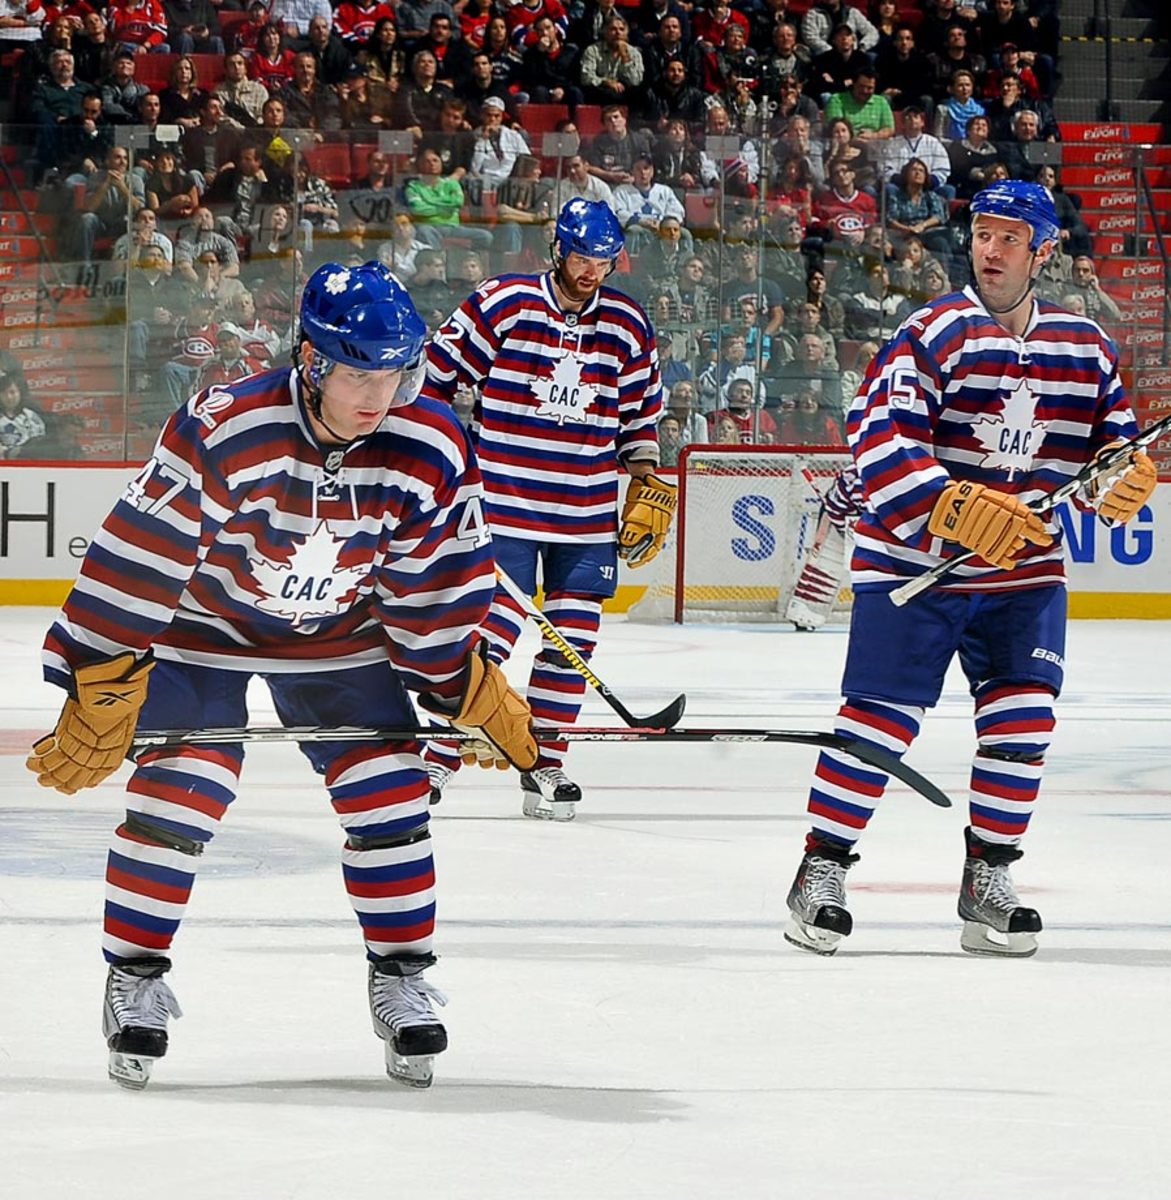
x=792, y=177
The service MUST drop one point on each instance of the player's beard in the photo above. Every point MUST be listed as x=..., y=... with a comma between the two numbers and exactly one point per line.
x=576, y=292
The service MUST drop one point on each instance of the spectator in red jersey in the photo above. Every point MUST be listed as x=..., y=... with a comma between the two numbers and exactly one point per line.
x=709, y=24
x=808, y=424
x=193, y=350
x=745, y=415
x=140, y=25
x=354, y=20
x=272, y=64
x=245, y=35
x=230, y=362
x=842, y=209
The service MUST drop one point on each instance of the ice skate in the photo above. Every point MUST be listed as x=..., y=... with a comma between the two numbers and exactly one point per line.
x=438, y=774
x=134, y=1018
x=549, y=794
x=401, y=1008
x=994, y=920
x=817, y=900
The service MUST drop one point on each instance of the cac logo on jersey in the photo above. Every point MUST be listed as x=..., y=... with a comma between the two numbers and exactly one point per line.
x=562, y=395
x=311, y=585
x=1011, y=438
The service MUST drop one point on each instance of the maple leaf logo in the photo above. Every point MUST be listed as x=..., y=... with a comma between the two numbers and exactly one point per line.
x=335, y=283
x=1011, y=438
x=563, y=396
x=311, y=585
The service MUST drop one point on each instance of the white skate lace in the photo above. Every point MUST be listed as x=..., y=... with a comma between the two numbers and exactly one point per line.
x=406, y=1000
x=992, y=887
x=824, y=883
x=142, y=1003
x=438, y=774
x=551, y=777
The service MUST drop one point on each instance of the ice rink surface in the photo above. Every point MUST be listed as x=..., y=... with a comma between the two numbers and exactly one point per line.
x=625, y=1018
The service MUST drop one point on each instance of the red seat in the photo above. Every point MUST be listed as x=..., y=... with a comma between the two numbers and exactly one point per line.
x=700, y=210
x=541, y=118
x=588, y=118
x=331, y=160
x=209, y=69
x=154, y=69
x=229, y=22
x=360, y=158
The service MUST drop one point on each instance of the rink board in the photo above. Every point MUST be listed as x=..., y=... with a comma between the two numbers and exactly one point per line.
x=48, y=515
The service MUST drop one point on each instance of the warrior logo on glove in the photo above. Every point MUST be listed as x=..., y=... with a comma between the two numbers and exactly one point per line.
x=646, y=518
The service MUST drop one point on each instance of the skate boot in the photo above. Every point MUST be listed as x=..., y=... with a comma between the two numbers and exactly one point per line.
x=400, y=1007
x=438, y=774
x=817, y=900
x=994, y=920
x=549, y=794
x=134, y=1019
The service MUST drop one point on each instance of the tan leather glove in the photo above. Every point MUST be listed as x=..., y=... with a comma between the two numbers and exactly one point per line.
x=1119, y=495
x=499, y=717
x=995, y=525
x=646, y=518
x=95, y=730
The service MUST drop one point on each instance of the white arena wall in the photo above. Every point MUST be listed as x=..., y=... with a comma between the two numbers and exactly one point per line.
x=48, y=514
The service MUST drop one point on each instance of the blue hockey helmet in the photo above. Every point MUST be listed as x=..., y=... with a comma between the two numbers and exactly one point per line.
x=1028, y=202
x=364, y=318
x=588, y=227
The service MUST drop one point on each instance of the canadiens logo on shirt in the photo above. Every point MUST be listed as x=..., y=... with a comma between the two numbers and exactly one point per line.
x=1010, y=438
x=562, y=395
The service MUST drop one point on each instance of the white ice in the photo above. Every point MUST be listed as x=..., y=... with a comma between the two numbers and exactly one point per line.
x=625, y=1018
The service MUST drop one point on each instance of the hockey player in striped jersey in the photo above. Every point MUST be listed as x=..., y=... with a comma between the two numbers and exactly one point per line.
x=983, y=401
x=567, y=382
x=321, y=528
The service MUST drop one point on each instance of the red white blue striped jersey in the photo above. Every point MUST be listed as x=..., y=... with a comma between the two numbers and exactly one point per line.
x=844, y=498
x=954, y=395
x=247, y=545
x=562, y=398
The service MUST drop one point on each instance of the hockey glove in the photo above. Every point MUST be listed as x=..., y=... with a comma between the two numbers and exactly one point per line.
x=95, y=730
x=995, y=525
x=646, y=517
x=1117, y=496
x=497, y=716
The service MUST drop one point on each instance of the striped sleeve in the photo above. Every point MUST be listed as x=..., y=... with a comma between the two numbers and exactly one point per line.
x=143, y=556
x=890, y=427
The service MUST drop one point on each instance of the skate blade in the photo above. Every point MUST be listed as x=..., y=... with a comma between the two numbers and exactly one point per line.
x=541, y=809
x=416, y=1071
x=809, y=937
x=982, y=939
x=130, y=1071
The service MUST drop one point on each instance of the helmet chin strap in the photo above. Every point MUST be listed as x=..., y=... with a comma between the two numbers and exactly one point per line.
x=314, y=394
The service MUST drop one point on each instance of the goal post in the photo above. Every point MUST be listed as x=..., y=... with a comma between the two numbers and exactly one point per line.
x=748, y=519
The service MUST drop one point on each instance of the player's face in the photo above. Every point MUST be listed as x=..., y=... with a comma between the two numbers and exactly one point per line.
x=353, y=402
x=580, y=277
x=1002, y=259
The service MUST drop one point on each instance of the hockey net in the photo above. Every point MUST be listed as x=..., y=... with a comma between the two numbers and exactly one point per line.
x=748, y=521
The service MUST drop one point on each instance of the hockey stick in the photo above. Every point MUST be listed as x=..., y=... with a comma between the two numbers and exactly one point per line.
x=873, y=756
x=666, y=718
x=1091, y=471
